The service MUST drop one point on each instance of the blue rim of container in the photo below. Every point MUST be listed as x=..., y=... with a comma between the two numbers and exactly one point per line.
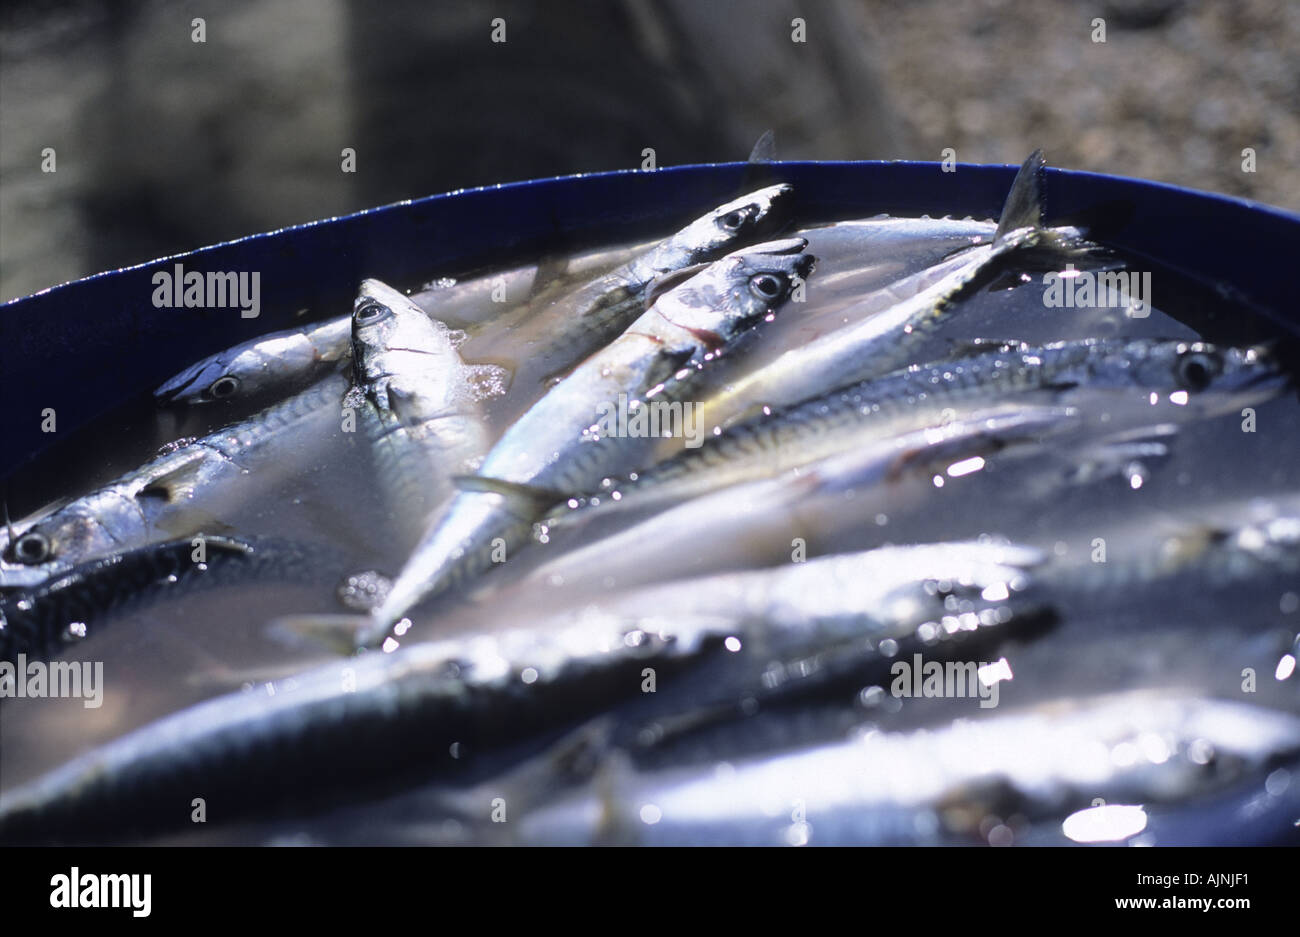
x=86, y=347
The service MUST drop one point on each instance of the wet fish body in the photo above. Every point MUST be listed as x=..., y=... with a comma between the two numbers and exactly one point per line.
x=587, y=318
x=936, y=786
x=887, y=325
x=178, y=492
x=1209, y=547
x=39, y=622
x=759, y=521
x=270, y=366
x=1208, y=381
x=559, y=333
x=418, y=402
x=416, y=701
x=476, y=303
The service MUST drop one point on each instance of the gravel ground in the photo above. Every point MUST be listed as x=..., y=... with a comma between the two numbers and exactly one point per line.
x=1175, y=93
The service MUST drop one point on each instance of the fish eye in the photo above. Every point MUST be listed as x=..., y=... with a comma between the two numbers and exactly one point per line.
x=767, y=285
x=370, y=311
x=1195, y=370
x=733, y=220
x=31, y=548
x=223, y=387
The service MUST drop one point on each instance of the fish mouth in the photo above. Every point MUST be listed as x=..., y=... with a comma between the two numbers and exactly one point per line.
x=1272, y=379
x=377, y=290
x=769, y=199
x=782, y=246
x=766, y=206
x=804, y=265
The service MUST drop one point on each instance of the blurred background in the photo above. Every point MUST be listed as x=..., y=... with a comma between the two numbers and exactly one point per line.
x=162, y=144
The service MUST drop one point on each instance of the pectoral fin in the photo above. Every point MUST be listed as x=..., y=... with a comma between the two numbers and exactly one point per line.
x=666, y=282
x=340, y=633
x=538, y=498
x=174, y=485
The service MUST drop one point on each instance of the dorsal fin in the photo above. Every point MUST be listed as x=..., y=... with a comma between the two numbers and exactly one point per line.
x=1024, y=205
x=764, y=150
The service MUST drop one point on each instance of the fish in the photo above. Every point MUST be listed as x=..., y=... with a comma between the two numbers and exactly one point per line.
x=480, y=302
x=885, y=257
x=1213, y=546
x=418, y=402
x=68, y=608
x=762, y=521
x=556, y=332
x=388, y=712
x=946, y=785
x=180, y=490
x=590, y=315
x=558, y=446
x=1200, y=379
x=269, y=366
x=876, y=343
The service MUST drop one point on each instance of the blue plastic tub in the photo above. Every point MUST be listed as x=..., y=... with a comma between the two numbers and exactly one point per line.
x=88, y=346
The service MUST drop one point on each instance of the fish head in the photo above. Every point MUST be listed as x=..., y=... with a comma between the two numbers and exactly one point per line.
x=1208, y=379
x=752, y=283
x=95, y=525
x=387, y=323
x=747, y=217
x=261, y=369
x=731, y=294
x=51, y=546
x=216, y=378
